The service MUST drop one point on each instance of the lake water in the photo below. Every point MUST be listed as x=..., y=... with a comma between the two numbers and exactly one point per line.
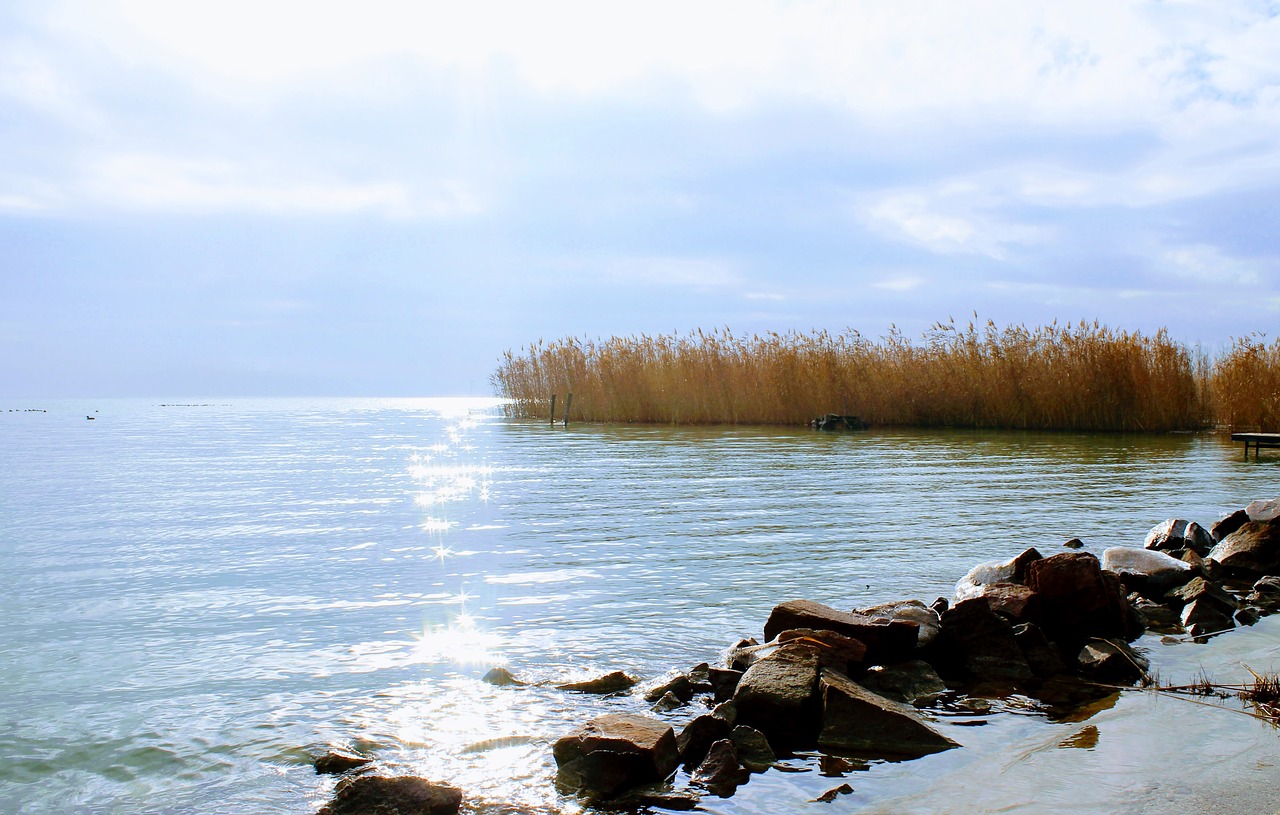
x=196, y=598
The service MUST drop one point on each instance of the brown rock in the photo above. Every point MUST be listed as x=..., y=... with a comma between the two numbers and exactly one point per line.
x=911, y=611
x=1013, y=601
x=753, y=748
x=335, y=762
x=978, y=644
x=1111, y=661
x=1252, y=549
x=719, y=772
x=1229, y=524
x=1080, y=601
x=857, y=721
x=779, y=695
x=834, y=650
x=615, y=752
x=378, y=795
x=698, y=736
x=886, y=640
x=615, y=682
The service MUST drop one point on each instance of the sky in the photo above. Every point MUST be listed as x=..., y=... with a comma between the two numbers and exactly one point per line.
x=380, y=198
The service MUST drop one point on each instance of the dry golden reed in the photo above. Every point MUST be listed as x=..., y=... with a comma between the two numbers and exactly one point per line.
x=1081, y=376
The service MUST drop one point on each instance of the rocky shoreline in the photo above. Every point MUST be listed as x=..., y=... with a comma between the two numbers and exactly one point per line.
x=858, y=684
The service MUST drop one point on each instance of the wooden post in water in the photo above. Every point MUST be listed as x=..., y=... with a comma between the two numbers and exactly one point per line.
x=568, y=402
x=552, y=413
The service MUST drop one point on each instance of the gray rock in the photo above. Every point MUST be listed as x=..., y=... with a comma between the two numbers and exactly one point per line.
x=406, y=795
x=1263, y=510
x=857, y=721
x=615, y=682
x=886, y=640
x=1205, y=616
x=1178, y=533
x=1008, y=571
x=779, y=695
x=668, y=702
x=1252, y=549
x=720, y=773
x=754, y=750
x=907, y=682
x=615, y=752
x=911, y=611
x=1266, y=593
x=1147, y=571
x=1158, y=618
x=1111, y=661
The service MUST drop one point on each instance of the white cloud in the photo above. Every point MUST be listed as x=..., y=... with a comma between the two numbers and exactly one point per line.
x=1208, y=264
x=949, y=218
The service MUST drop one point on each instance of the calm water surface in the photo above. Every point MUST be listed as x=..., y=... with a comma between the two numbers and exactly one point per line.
x=198, y=597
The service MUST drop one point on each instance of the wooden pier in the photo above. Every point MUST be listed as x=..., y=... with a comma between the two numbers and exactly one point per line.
x=1258, y=440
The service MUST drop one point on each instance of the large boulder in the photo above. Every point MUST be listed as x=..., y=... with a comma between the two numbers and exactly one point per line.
x=886, y=640
x=978, y=644
x=911, y=611
x=779, y=695
x=1228, y=524
x=1147, y=571
x=859, y=722
x=405, y=795
x=1013, y=601
x=1080, y=601
x=1252, y=549
x=996, y=571
x=1263, y=510
x=615, y=752
x=1178, y=533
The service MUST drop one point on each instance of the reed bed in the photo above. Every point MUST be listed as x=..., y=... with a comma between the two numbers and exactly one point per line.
x=1082, y=376
x=1246, y=385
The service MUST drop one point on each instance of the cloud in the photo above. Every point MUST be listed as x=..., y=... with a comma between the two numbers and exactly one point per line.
x=950, y=218
x=674, y=272
x=1208, y=264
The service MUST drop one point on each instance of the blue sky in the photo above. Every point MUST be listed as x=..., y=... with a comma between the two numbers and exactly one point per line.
x=311, y=198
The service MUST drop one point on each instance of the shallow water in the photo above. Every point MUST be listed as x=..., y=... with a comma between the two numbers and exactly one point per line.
x=196, y=597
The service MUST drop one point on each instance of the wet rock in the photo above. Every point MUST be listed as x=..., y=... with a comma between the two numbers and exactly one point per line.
x=1229, y=524
x=1200, y=588
x=655, y=796
x=1263, y=510
x=1112, y=661
x=834, y=650
x=754, y=750
x=857, y=721
x=907, y=682
x=886, y=640
x=928, y=619
x=978, y=644
x=779, y=695
x=698, y=736
x=743, y=654
x=1008, y=571
x=1265, y=593
x=1080, y=601
x=1248, y=615
x=832, y=794
x=500, y=677
x=720, y=773
x=724, y=682
x=1178, y=533
x=668, y=702
x=405, y=795
x=335, y=762
x=615, y=682
x=1252, y=549
x=726, y=710
x=1042, y=656
x=1158, y=618
x=613, y=753
x=1206, y=616
x=1013, y=601
x=940, y=605
x=1074, y=543
x=679, y=686
x=1146, y=571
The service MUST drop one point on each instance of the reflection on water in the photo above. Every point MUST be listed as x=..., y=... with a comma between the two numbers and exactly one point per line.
x=207, y=594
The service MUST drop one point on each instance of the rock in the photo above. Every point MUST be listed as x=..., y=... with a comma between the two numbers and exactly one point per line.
x=615, y=752
x=1229, y=524
x=857, y=721
x=1248, y=615
x=911, y=611
x=978, y=644
x=1263, y=510
x=719, y=772
x=832, y=794
x=1112, y=661
x=1013, y=601
x=754, y=750
x=1080, y=601
x=500, y=677
x=779, y=695
x=1009, y=571
x=405, y=795
x=1177, y=533
x=1252, y=549
x=886, y=640
x=1042, y=656
x=335, y=762
x=726, y=710
x=615, y=682
x=1266, y=593
x=743, y=654
x=1146, y=571
x=679, y=686
x=834, y=650
x=668, y=702
x=724, y=681
x=1200, y=588
x=1074, y=543
x=1158, y=618
x=1206, y=616
x=940, y=605
x=908, y=682
x=698, y=736
x=645, y=798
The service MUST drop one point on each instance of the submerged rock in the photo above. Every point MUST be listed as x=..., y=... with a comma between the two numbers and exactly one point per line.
x=615, y=752
x=405, y=795
x=500, y=677
x=615, y=682
x=859, y=722
x=335, y=762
